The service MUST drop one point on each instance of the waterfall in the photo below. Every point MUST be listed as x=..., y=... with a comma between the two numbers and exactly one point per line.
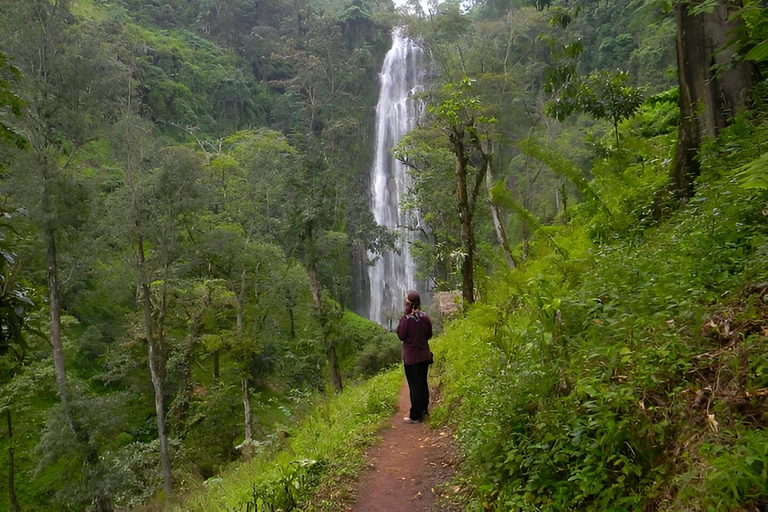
x=393, y=274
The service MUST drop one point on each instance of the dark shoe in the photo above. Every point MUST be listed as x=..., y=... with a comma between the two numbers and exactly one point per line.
x=410, y=420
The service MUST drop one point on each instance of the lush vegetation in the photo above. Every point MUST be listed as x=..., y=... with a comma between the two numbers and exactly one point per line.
x=181, y=213
x=616, y=356
x=320, y=460
x=629, y=374
x=185, y=220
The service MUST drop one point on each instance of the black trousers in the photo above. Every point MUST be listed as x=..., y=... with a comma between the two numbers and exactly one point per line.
x=416, y=374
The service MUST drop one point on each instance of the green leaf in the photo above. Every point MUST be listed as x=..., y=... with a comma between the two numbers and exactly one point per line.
x=754, y=175
x=759, y=53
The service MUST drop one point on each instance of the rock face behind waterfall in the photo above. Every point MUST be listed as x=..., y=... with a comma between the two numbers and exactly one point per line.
x=394, y=273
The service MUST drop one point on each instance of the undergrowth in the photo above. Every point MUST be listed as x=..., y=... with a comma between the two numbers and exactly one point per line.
x=318, y=461
x=630, y=372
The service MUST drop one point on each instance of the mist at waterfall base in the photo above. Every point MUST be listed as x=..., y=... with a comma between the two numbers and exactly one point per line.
x=394, y=273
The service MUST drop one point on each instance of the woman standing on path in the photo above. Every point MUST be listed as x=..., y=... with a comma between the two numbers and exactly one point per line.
x=414, y=331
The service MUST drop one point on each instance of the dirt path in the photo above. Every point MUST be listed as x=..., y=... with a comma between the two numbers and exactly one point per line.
x=408, y=468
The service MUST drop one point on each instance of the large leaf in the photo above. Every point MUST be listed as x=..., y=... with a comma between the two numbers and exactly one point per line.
x=758, y=53
x=754, y=175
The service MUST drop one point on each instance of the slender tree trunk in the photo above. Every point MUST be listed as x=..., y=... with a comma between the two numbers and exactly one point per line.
x=526, y=234
x=618, y=145
x=314, y=284
x=216, y=364
x=293, y=321
x=708, y=101
x=154, y=370
x=333, y=366
x=160, y=337
x=180, y=407
x=563, y=195
x=240, y=303
x=501, y=233
x=526, y=205
x=248, y=420
x=11, y=466
x=465, y=219
x=54, y=303
x=247, y=411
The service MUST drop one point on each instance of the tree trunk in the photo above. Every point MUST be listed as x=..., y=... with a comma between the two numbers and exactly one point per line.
x=618, y=144
x=526, y=241
x=154, y=370
x=160, y=338
x=465, y=219
x=247, y=411
x=11, y=467
x=333, y=366
x=240, y=304
x=54, y=303
x=526, y=205
x=563, y=200
x=501, y=233
x=314, y=284
x=216, y=364
x=293, y=321
x=708, y=101
x=248, y=423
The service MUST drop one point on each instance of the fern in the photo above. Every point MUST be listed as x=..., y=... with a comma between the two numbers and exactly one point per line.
x=502, y=197
x=754, y=175
x=564, y=167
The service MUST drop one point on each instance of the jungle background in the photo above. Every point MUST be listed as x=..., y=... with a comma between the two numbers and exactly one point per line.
x=185, y=219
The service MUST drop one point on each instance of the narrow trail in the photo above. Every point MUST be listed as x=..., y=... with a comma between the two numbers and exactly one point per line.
x=409, y=467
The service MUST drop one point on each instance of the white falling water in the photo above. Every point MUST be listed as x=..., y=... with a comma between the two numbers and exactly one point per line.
x=393, y=274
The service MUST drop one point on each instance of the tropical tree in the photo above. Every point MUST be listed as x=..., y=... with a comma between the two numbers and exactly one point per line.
x=601, y=95
x=714, y=86
x=466, y=128
x=66, y=98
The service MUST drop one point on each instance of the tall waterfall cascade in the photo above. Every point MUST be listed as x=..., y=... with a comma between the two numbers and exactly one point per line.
x=394, y=273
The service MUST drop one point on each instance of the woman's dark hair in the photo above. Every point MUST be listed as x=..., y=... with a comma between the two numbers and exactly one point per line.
x=414, y=298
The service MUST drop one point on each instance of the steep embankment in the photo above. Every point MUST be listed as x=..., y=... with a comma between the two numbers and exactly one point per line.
x=631, y=373
x=318, y=460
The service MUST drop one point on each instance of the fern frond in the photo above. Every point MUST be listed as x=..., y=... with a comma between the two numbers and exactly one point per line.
x=754, y=175
x=502, y=197
x=564, y=167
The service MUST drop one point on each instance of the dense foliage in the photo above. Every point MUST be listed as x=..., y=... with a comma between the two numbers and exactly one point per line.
x=616, y=357
x=184, y=212
x=628, y=374
x=180, y=182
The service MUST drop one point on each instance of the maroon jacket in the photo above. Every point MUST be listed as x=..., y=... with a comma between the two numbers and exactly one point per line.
x=414, y=331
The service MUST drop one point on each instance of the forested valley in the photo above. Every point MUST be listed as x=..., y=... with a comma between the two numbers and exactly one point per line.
x=187, y=227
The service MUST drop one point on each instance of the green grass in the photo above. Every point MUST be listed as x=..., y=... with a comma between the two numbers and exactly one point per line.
x=319, y=460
